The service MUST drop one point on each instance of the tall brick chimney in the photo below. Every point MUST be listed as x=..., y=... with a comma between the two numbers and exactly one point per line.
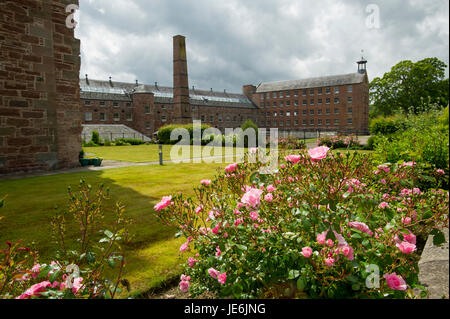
x=181, y=106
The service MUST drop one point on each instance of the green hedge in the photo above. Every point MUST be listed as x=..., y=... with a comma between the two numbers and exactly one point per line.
x=165, y=131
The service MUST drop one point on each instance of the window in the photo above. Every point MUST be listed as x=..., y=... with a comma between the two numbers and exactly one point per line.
x=220, y=118
x=281, y=103
x=88, y=116
x=102, y=117
x=319, y=91
x=275, y=114
x=304, y=92
x=311, y=102
x=128, y=104
x=327, y=90
x=116, y=104
x=288, y=103
x=350, y=110
x=116, y=117
x=336, y=100
x=328, y=100
x=319, y=112
x=305, y=102
x=102, y=103
x=274, y=104
x=268, y=95
x=295, y=113
x=274, y=95
x=129, y=116
x=319, y=122
x=288, y=113
x=296, y=122
x=319, y=102
x=147, y=109
x=311, y=112
x=311, y=92
x=87, y=103
x=336, y=90
x=163, y=118
x=211, y=118
x=235, y=117
x=147, y=125
x=288, y=123
x=227, y=118
x=336, y=122
x=304, y=122
x=267, y=114
x=304, y=112
x=296, y=102
x=281, y=123
x=350, y=89
x=328, y=121
x=274, y=123
x=328, y=111
x=311, y=122
x=350, y=121
x=295, y=93
x=262, y=97
x=281, y=95
x=281, y=113
x=202, y=118
x=336, y=111
x=163, y=107
x=288, y=94
x=350, y=99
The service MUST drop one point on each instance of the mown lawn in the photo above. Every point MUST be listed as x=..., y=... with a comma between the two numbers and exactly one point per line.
x=150, y=153
x=152, y=257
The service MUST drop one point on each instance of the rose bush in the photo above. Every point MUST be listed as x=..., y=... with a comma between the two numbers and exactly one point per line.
x=319, y=225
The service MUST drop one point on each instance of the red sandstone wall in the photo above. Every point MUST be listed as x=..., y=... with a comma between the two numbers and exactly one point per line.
x=40, y=119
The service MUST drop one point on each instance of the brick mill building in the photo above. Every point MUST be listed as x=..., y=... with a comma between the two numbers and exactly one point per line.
x=330, y=104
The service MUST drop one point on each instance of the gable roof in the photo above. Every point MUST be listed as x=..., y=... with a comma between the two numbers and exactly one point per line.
x=324, y=81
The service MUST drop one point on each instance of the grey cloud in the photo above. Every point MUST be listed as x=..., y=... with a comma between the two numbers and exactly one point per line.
x=236, y=42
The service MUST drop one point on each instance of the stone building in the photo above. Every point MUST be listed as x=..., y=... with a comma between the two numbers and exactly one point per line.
x=332, y=103
x=40, y=118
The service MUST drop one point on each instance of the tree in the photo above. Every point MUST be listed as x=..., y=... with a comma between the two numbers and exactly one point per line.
x=410, y=86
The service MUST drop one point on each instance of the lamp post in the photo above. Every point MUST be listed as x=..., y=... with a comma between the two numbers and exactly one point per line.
x=160, y=154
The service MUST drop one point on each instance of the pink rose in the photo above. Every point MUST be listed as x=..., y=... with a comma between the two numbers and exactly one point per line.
x=254, y=216
x=213, y=273
x=77, y=285
x=268, y=197
x=35, y=270
x=192, y=262
x=184, y=286
x=406, y=220
x=318, y=153
x=215, y=230
x=218, y=251
x=406, y=248
x=383, y=205
x=321, y=238
x=270, y=189
x=347, y=251
x=440, y=171
x=329, y=262
x=410, y=238
x=306, y=252
x=206, y=182
x=221, y=278
x=360, y=226
x=395, y=282
x=294, y=159
x=252, y=197
x=35, y=290
x=166, y=201
x=231, y=168
x=199, y=209
x=184, y=247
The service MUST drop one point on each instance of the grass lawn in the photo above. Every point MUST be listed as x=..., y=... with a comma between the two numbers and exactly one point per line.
x=150, y=153
x=152, y=257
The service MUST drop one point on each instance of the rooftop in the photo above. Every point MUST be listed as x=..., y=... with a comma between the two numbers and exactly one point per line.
x=324, y=81
x=110, y=90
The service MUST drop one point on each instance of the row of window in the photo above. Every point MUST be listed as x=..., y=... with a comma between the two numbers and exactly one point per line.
x=103, y=117
x=103, y=103
x=295, y=93
x=305, y=102
x=311, y=122
x=305, y=112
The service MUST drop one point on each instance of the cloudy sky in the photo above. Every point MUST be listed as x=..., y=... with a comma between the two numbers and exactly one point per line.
x=236, y=42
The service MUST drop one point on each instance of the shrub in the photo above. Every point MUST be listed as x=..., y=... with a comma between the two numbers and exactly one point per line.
x=78, y=272
x=165, y=132
x=95, y=138
x=315, y=225
x=291, y=143
x=337, y=142
x=130, y=141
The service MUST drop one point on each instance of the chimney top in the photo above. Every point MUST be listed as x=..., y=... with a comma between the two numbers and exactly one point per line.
x=137, y=82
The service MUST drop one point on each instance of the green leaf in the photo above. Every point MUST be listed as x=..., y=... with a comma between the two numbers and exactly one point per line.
x=108, y=234
x=356, y=235
x=293, y=274
x=54, y=276
x=356, y=287
x=179, y=234
x=90, y=258
x=241, y=247
x=111, y=262
x=301, y=283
